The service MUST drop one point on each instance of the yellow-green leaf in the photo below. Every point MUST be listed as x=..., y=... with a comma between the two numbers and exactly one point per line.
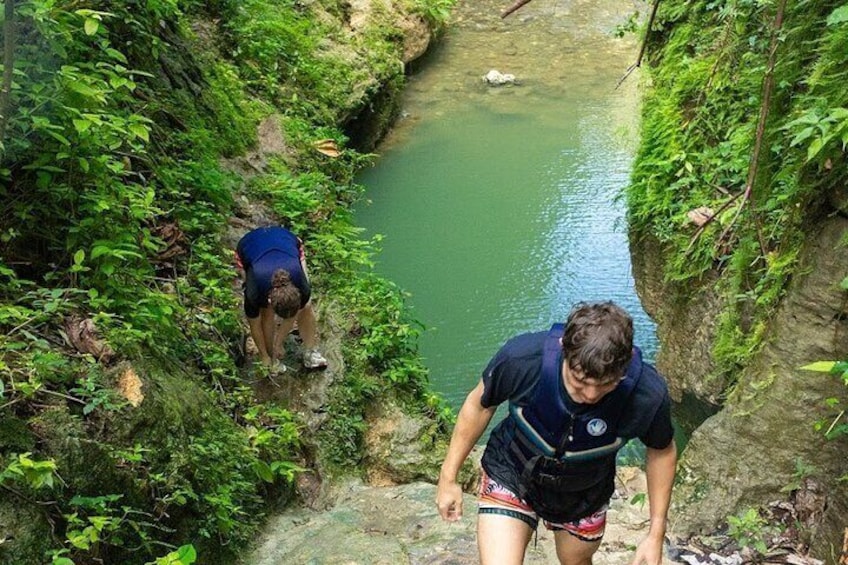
x=140, y=131
x=91, y=26
x=820, y=366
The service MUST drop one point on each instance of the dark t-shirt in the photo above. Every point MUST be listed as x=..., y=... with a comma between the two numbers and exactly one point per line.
x=511, y=377
x=262, y=251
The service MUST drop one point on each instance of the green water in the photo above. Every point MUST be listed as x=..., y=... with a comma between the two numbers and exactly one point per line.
x=498, y=205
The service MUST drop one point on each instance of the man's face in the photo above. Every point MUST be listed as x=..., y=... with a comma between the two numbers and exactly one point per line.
x=585, y=390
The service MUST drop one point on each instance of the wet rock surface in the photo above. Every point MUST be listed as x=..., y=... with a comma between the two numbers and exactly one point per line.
x=399, y=524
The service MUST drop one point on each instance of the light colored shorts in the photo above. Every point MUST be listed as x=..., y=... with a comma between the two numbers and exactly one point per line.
x=494, y=498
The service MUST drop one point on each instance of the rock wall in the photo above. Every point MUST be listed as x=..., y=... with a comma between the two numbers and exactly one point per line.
x=747, y=454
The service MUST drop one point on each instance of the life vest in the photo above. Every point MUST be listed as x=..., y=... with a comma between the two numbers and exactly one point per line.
x=568, y=460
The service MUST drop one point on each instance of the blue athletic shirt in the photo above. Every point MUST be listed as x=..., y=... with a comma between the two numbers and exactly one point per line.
x=262, y=251
x=511, y=376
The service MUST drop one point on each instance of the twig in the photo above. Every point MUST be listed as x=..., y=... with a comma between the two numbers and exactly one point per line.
x=833, y=425
x=638, y=62
x=513, y=8
x=709, y=220
x=11, y=402
x=8, y=66
x=61, y=395
x=768, y=84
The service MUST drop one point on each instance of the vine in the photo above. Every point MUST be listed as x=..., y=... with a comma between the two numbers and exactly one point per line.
x=710, y=151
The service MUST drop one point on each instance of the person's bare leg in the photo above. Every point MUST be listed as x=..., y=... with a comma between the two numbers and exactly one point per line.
x=284, y=328
x=258, y=335
x=572, y=550
x=501, y=540
x=268, y=326
x=308, y=326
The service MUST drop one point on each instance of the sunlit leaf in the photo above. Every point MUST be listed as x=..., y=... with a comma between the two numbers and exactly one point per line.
x=838, y=16
x=91, y=26
x=140, y=131
x=820, y=366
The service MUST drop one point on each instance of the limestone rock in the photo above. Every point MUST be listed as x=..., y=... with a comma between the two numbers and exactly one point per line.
x=497, y=78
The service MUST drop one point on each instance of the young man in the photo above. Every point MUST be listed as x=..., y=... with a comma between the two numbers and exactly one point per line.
x=576, y=395
x=276, y=283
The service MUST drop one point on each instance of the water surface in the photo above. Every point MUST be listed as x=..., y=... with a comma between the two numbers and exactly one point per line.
x=498, y=205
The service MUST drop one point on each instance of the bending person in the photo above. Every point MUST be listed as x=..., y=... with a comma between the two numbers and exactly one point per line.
x=276, y=283
x=576, y=394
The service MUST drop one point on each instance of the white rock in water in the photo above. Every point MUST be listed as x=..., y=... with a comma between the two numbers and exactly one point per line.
x=496, y=78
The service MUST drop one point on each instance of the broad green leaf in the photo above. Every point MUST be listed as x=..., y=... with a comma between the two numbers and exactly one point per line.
x=82, y=125
x=84, y=89
x=117, y=55
x=187, y=554
x=60, y=138
x=99, y=250
x=820, y=366
x=91, y=26
x=140, y=131
x=79, y=256
x=838, y=16
x=263, y=471
x=814, y=148
x=844, y=284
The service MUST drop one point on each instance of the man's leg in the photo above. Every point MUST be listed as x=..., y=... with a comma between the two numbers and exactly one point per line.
x=577, y=541
x=502, y=540
x=572, y=550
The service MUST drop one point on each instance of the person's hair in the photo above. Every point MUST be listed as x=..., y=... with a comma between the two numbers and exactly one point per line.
x=598, y=340
x=284, y=297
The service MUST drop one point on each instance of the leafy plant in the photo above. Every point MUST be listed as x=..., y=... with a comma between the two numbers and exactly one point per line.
x=836, y=427
x=29, y=472
x=750, y=530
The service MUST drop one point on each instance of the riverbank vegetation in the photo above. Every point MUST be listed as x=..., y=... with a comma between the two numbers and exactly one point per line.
x=740, y=177
x=743, y=143
x=128, y=427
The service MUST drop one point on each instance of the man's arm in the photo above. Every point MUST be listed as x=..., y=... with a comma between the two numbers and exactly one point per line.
x=470, y=424
x=660, y=468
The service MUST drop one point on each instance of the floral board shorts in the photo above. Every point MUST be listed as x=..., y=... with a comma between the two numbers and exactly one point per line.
x=494, y=498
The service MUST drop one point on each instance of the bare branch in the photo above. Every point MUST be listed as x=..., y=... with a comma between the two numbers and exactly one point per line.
x=768, y=85
x=638, y=62
x=8, y=65
x=514, y=7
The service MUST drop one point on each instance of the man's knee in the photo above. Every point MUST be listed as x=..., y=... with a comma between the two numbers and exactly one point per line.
x=572, y=550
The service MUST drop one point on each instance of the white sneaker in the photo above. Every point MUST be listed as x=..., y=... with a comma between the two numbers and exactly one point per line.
x=312, y=359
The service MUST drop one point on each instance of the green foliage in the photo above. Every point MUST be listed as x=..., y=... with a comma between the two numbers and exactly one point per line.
x=833, y=427
x=750, y=530
x=436, y=12
x=31, y=473
x=115, y=208
x=185, y=555
x=700, y=118
x=639, y=498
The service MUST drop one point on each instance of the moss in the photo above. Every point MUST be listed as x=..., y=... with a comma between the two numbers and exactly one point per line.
x=700, y=120
x=25, y=531
x=15, y=436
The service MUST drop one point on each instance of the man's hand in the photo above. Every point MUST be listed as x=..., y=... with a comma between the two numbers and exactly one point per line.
x=449, y=500
x=649, y=552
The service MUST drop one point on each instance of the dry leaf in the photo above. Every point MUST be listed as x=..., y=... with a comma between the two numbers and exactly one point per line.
x=328, y=147
x=129, y=385
x=700, y=216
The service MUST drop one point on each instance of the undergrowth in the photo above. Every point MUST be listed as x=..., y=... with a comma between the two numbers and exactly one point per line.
x=114, y=268
x=710, y=64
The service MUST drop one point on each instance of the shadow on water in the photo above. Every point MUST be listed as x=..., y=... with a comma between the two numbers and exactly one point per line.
x=500, y=206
